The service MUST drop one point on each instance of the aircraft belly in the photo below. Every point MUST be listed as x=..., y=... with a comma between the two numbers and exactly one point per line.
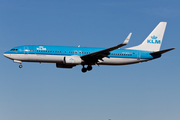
x=39, y=58
x=50, y=58
x=121, y=61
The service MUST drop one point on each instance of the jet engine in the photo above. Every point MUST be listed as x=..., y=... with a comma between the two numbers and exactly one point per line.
x=72, y=60
x=69, y=62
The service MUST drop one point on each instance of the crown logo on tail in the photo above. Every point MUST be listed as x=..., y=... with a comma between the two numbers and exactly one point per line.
x=154, y=37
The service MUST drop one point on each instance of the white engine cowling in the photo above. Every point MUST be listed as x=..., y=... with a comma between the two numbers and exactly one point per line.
x=72, y=60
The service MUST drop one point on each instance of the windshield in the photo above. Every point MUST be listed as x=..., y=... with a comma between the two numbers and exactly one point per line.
x=14, y=49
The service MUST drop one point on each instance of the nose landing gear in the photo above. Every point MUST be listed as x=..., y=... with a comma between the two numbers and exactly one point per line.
x=89, y=68
x=20, y=66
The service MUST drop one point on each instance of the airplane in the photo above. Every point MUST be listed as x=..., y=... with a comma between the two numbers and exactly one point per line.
x=68, y=57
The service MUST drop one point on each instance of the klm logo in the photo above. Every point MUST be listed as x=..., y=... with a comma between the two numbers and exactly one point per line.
x=154, y=40
x=41, y=48
x=71, y=59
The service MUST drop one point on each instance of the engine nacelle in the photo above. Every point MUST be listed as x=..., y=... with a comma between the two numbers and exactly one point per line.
x=72, y=60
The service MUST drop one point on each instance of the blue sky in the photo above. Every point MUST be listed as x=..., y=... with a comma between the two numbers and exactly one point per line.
x=142, y=91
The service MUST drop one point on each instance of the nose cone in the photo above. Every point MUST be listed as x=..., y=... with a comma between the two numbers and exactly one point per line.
x=6, y=55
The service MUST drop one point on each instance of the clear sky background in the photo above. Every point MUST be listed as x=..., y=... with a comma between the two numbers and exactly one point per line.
x=145, y=91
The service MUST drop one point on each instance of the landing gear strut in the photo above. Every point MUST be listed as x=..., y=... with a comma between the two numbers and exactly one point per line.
x=20, y=66
x=89, y=68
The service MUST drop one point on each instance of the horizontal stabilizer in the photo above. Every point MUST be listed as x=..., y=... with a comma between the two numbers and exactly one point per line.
x=162, y=51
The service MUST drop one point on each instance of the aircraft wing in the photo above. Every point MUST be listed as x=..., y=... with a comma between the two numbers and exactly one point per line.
x=93, y=57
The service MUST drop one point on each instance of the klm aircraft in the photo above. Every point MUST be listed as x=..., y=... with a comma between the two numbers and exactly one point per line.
x=68, y=57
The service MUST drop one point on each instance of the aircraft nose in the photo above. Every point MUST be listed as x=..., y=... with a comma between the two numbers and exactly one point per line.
x=6, y=55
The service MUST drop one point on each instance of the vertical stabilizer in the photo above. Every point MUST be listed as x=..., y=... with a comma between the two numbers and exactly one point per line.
x=154, y=40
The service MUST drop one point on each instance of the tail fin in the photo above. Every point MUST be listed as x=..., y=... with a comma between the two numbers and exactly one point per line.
x=154, y=40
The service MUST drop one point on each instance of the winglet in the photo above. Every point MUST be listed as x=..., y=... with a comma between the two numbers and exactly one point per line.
x=127, y=39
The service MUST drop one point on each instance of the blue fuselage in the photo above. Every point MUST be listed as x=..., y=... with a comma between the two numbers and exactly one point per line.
x=56, y=54
x=68, y=51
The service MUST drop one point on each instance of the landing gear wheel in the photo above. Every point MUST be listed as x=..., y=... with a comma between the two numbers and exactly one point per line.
x=84, y=70
x=89, y=68
x=20, y=66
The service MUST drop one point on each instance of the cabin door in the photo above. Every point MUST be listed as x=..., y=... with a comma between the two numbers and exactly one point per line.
x=139, y=55
x=26, y=50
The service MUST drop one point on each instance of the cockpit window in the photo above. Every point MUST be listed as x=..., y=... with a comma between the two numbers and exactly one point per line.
x=14, y=49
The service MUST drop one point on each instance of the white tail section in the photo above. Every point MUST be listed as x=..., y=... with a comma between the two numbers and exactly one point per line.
x=154, y=40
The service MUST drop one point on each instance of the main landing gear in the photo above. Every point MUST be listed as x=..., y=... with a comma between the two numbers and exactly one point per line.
x=89, y=68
